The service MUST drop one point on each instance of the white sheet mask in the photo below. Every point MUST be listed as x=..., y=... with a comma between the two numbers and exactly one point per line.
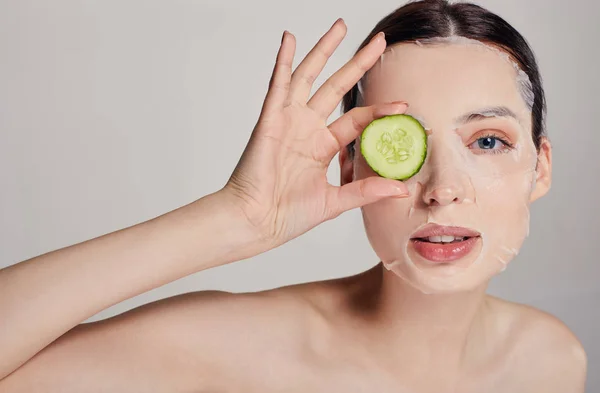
x=523, y=82
x=491, y=191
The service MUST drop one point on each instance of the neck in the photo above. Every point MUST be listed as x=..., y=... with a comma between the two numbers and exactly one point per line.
x=421, y=329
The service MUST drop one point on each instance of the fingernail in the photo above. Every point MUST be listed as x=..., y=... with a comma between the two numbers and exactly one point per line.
x=399, y=106
x=395, y=107
x=397, y=191
x=378, y=36
x=338, y=21
x=402, y=195
x=400, y=191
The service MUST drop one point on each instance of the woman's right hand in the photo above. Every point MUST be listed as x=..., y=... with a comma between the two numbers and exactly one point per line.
x=280, y=183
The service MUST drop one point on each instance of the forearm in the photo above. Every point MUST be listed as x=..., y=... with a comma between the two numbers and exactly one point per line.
x=44, y=297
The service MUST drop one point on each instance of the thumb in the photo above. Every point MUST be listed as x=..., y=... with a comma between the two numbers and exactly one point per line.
x=363, y=192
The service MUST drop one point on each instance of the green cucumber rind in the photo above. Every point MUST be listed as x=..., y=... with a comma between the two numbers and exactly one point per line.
x=423, y=155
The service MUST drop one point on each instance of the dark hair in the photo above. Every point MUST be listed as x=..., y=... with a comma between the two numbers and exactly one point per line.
x=420, y=20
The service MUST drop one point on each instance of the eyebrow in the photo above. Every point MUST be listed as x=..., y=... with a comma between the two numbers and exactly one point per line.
x=483, y=113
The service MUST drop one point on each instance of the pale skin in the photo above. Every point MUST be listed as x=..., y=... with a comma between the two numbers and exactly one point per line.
x=366, y=333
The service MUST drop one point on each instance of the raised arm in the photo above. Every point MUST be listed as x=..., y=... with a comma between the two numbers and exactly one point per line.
x=278, y=191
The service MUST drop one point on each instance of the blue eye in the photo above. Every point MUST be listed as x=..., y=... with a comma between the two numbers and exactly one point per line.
x=491, y=143
x=488, y=142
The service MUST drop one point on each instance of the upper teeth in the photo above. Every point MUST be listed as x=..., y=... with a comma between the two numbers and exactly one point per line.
x=445, y=239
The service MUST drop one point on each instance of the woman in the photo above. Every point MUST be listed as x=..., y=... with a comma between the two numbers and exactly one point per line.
x=419, y=321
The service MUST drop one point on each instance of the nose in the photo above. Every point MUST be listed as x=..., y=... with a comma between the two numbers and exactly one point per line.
x=446, y=185
x=443, y=194
x=446, y=180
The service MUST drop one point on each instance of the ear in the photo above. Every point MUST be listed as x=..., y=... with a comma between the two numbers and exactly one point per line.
x=543, y=170
x=346, y=167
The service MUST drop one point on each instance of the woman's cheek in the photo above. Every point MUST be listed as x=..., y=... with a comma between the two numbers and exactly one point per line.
x=504, y=205
x=386, y=225
x=509, y=191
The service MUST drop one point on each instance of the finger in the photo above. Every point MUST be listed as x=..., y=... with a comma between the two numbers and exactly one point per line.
x=351, y=124
x=363, y=192
x=309, y=69
x=327, y=98
x=279, y=84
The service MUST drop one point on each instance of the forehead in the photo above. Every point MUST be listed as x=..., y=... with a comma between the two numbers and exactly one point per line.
x=443, y=81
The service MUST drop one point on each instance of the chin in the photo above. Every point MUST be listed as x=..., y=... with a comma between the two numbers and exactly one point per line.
x=432, y=283
x=462, y=275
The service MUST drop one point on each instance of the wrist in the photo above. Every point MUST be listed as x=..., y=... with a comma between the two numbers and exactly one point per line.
x=223, y=223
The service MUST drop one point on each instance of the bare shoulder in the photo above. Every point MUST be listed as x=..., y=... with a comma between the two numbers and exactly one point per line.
x=265, y=337
x=538, y=329
x=545, y=353
x=200, y=341
x=243, y=321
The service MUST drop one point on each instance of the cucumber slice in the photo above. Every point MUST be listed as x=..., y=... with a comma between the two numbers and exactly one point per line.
x=394, y=146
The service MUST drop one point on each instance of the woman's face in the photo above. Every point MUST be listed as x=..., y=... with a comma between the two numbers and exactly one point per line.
x=480, y=172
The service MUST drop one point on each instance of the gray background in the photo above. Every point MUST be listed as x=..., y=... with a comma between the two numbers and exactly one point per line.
x=114, y=112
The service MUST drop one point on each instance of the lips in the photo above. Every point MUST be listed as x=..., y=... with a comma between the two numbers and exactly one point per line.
x=444, y=244
x=439, y=230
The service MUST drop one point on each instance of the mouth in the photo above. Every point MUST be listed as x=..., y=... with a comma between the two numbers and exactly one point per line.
x=444, y=244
